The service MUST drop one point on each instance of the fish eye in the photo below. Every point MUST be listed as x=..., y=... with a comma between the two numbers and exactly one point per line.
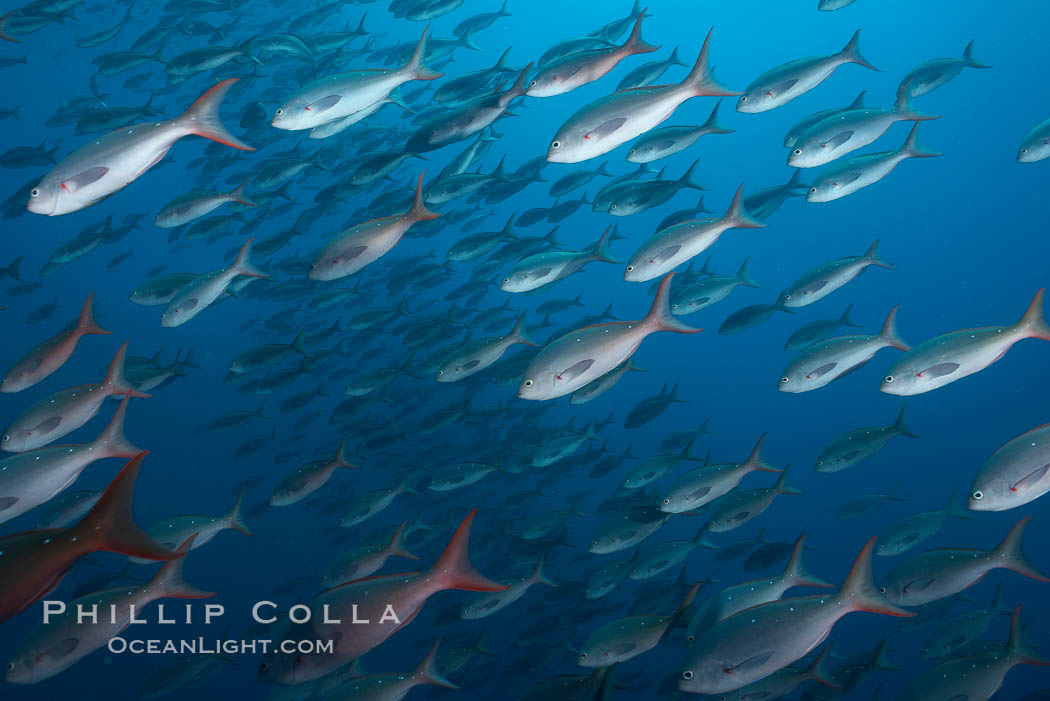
x=978, y=495
x=612, y=206
x=688, y=674
x=785, y=380
x=743, y=98
x=787, y=296
x=1024, y=150
x=506, y=279
x=440, y=373
x=889, y=378
x=264, y=666
x=279, y=113
x=10, y=666
x=556, y=144
x=532, y=84
x=667, y=501
x=812, y=189
x=35, y=192
x=527, y=383
x=797, y=152
x=583, y=655
x=6, y=438
x=882, y=590
x=630, y=268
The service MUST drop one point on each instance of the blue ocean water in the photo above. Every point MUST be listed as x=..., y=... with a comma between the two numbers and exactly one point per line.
x=965, y=232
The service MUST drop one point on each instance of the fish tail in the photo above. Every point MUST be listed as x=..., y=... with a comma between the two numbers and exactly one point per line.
x=601, y=248
x=115, y=380
x=415, y=66
x=906, y=111
x=796, y=571
x=341, y=459
x=519, y=334
x=712, y=126
x=851, y=52
x=756, y=462
x=168, y=581
x=518, y=88
x=1017, y=648
x=635, y=44
x=428, y=673
x=881, y=659
x=397, y=544
x=1033, y=323
x=680, y=616
x=782, y=487
x=952, y=508
x=889, y=331
x=901, y=428
x=86, y=323
x=968, y=58
x=242, y=264
x=818, y=671
x=538, y=576
x=700, y=80
x=659, y=317
x=673, y=58
x=202, y=118
x=110, y=525
x=112, y=441
x=859, y=592
x=481, y=647
x=736, y=216
x=419, y=211
x=453, y=569
x=11, y=270
x=689, y=178
x=3, y=26
x=1011, y=555
x=299, y=344
x=235, y=518
x=913, y=149
x=845, y=319
x=238, y=194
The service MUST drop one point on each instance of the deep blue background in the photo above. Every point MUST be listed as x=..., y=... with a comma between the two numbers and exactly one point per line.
x=966, y=232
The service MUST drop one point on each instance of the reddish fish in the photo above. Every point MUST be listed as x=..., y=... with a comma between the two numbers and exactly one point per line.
x=48, y=356
x=389, y=602
x=33, y=563
x=67, y=410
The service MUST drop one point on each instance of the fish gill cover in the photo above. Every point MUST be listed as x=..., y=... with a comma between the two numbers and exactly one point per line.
x=530, y=350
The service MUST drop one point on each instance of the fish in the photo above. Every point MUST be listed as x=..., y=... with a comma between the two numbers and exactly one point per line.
x=853, y=447
x=33, y=563
x=575, y=359
x=1036, y=144
x=906, y=533
x=309, y=477
x=474, y=356
x=67, y=410
x=738, y=507
x=932, y=74
x=822, y=363
x=178, y=529
x=779, y=86
x=846, y=131
x=393, y=687
x=485, y=604
x=703, y=293
x=818, y=283
x=732, y=655
x=366, y=560
x=666, y=141
x=201, y=292
x=48, y=356
x=111, y=162
x=604, y=124
x=196, y=204
x=1015, y=474
x=578, y=69
x=744, y=595
x=936, y=574
x=360, y=245
x=343, y=95
x=404, y=593
x=953, y=356
x=816, y=331
x=626, y=638
x=852, y=174
x=548, y=267
x=678, y=244
x=35, y=477
x=863, y=504
x=697, y=488
x=806, y=123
